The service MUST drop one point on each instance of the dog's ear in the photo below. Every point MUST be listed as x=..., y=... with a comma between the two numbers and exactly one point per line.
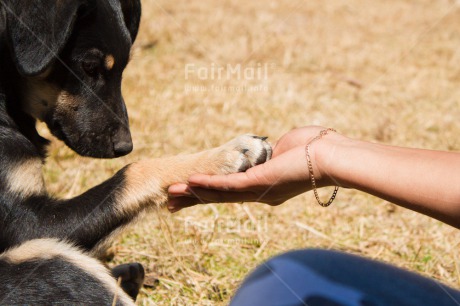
x=38, y=30
x=132, y=16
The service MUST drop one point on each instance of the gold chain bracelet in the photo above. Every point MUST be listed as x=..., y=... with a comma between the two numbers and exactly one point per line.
x=310, y=169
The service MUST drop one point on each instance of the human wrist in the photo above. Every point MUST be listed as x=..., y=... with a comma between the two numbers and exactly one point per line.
x=325, y=155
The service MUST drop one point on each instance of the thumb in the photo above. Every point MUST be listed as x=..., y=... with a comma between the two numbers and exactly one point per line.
x=179, y=190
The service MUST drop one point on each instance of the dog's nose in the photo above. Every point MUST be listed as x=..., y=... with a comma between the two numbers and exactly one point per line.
x=122, y=143
x=122, y=148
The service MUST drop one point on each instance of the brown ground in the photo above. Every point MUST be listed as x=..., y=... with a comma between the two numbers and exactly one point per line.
x=386, y=71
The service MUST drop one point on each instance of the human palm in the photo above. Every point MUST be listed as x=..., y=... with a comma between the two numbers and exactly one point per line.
x=281, y=178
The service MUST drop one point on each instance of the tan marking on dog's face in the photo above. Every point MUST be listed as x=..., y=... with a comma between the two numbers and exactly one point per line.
x=26, y=178
x=45, y=73
x=47, y=249
x=109, y=62
x=38, y=97
x=67, y=102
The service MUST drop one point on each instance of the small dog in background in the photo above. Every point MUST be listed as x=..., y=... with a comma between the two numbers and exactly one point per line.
x=61, y=62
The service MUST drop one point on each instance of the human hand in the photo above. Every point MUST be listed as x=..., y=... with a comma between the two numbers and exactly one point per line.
x=296, y=137
x=281, y=178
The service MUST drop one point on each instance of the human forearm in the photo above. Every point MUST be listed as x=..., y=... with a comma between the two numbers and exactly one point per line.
x=421, y=180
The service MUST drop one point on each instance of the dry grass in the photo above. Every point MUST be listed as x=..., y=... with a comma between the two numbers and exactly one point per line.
x=379, y=70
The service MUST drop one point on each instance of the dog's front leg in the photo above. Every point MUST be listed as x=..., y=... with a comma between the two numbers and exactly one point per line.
x=146, y=181
x=90, y=219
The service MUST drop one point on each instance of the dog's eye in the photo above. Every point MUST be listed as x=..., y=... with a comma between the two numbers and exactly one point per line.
x=91, y=68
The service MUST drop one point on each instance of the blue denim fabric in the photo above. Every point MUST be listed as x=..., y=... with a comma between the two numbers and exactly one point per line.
x=329, y=278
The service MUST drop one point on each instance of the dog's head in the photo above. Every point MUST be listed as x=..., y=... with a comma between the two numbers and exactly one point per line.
x=70, y=55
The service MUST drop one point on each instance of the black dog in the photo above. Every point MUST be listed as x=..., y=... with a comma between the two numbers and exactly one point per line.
x=61, y=62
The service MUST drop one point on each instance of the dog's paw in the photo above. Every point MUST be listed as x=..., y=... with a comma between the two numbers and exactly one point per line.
x=243, y=153
x=132, y=277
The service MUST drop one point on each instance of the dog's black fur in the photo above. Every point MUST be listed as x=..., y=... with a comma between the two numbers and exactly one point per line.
x=64, y=45
x=61, y=61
